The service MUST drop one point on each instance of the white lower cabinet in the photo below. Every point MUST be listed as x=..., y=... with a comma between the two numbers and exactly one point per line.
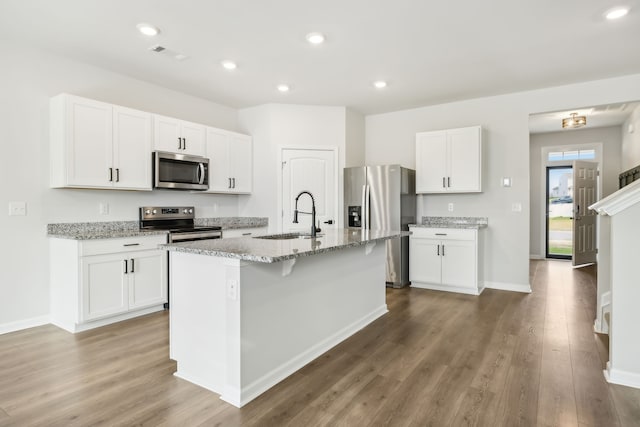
x=445, y=259
x=97, y=282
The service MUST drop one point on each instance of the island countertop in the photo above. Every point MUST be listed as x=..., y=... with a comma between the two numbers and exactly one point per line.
x=276, y=250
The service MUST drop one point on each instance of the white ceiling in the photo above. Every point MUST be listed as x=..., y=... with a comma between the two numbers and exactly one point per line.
x=429, y=52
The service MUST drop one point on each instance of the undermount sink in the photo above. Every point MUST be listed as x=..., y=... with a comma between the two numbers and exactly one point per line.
x=287, y=236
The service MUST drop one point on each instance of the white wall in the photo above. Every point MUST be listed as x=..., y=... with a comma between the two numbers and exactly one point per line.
x=631, y=141
x=28, y=78
x=506, y=153
x=275, y=125
x=355, y=139
x=611, y=140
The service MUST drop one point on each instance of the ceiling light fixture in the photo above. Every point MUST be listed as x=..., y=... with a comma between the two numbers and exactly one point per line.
x=380, y=84
x=315, y=38
x=283, y=88
x=575, y=121
x=616, y=13
x=148, y=29
x=229, y=65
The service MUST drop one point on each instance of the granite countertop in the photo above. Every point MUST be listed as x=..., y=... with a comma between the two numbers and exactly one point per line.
x=453, y=222
x=117, y=229
x=270, y=251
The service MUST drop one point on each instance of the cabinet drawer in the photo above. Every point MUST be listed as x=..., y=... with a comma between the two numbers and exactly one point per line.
x=443, y=233
x=125, y=244
x=243, y=232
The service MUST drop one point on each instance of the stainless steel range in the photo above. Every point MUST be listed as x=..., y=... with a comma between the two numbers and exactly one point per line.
x=179, y=221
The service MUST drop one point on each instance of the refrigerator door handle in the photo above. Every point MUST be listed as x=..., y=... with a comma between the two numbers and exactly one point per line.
x=363, y=219
x=367, y=209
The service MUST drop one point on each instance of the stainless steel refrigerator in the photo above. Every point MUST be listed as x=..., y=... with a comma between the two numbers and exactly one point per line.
x=383, y=198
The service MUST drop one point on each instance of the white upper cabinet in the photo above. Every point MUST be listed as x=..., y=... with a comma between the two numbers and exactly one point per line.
x=449, y=161
x=178, y=136
x=99, y=145
x=230, y=162
x=132, y=148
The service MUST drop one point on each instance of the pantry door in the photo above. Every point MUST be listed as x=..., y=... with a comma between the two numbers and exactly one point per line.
x=313, y=170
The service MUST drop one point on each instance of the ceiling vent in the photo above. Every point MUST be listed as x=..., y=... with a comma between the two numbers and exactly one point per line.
x=168, y=52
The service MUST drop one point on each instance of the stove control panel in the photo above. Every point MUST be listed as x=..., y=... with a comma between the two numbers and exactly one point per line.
x=167, y=212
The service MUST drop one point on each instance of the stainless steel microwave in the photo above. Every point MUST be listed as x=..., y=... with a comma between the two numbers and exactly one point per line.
x=180, y=171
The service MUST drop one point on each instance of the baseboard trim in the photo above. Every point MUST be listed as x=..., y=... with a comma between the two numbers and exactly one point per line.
x=616, y=376
x=240, y=398
x=597, y=327
x=445, y=288
x=513, y=287
x=23, y=324
x=536, y=256
x=92, y=324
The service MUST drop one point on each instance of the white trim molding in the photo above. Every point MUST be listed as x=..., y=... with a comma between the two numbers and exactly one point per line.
x=513, y=287
x=616, y=376
x=618, y=201
x=19, y=325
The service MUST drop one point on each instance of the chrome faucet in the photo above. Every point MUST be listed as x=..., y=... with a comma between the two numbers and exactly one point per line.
x=314, y=230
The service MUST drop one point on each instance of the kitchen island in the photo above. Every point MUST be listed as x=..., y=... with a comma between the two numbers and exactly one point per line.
x=248, y=312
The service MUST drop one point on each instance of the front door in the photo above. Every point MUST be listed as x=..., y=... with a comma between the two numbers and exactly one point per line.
x=312, y=170
x=585, y=185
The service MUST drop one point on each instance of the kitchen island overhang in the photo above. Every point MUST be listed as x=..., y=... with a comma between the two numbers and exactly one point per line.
x=248, y=312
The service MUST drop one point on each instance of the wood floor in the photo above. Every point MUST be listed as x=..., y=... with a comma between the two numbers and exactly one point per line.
x=436, y=359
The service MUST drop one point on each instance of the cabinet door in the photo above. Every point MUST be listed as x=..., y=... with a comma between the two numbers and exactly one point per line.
x=89, y=143
x=424, y=261
x=431, y=165
x=194, y=136
x=131, y=149
x=166, y=134
x=459, y=263
x=147, y=279
x=217, y=152
x=241, y=161
x=465, y=159
x=104, y=286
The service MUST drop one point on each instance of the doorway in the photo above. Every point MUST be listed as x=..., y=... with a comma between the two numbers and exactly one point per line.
x=559, y=212
x=313, y=170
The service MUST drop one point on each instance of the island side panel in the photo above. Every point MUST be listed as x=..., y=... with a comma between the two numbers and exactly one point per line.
x=288, y=318
x=198, y=334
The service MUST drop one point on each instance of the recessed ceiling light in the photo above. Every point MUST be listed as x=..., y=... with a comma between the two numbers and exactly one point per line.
x=229, y=65
x=616, y=13
x=283, y=88
x=148, y=29
x=315, y=38
x=380, y=84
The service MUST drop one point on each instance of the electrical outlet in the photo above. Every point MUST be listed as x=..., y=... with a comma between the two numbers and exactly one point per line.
x=104, y=208
x=516, y=207
x=232, y=289
x=450, y=207
x=17, y=208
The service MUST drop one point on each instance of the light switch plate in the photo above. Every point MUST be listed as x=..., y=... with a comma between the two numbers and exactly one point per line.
x=17, y=208
x=516, y=207
x=450, y=207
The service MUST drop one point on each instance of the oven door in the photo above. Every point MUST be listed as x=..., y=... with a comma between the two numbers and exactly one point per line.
x=180, y=171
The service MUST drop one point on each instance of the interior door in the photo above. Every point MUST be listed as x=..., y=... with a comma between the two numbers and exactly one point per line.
x=585, y=186
x=312, y=170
